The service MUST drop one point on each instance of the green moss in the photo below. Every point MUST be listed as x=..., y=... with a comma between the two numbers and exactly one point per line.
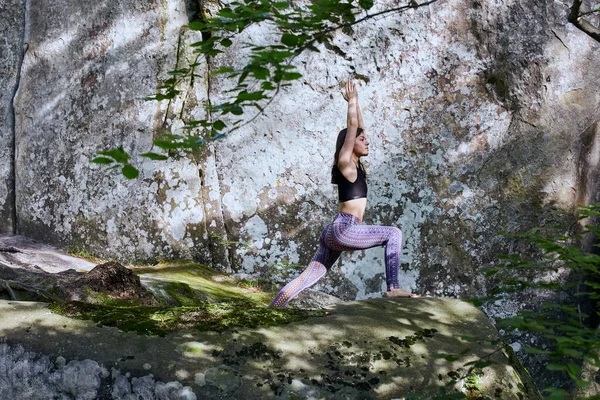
x=191, y=348
x=194, y=296
x=200, y=278
x=94, y=297
x=515, y=186
x=162, y=320
x=82, y=253
x=472, y=384
x=181, y=294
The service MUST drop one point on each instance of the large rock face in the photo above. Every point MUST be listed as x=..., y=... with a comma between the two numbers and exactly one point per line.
x=85, y=74
x=373, y=349
x=475, y=126
x=481, y=117
x=12, y=26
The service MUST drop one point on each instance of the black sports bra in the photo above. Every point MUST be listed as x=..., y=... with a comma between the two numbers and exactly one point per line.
x=350, y=190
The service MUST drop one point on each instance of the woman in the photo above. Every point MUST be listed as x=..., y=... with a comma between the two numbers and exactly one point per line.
x=346, y=233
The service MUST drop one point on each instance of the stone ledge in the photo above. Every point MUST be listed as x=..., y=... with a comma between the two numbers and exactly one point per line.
x=381, y=348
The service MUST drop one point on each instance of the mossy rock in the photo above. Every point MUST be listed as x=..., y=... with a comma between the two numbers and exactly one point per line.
x=204, y=316
x=167, y=280
x=190, y=296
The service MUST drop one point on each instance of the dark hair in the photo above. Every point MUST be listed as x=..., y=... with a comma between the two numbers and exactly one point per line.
x=336, y=157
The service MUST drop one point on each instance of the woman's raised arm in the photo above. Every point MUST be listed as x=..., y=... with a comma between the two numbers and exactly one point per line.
x=361, y=124
x=345, y=163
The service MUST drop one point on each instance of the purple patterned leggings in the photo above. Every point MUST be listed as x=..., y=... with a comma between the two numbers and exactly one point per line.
x=346, y=233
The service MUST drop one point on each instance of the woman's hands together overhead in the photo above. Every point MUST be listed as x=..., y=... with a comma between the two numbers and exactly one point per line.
x=350, y=92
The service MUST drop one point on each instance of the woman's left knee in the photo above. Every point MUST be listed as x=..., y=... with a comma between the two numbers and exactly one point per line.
x=396, y=232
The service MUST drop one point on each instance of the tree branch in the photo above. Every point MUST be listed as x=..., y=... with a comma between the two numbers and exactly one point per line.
x=412, y=4
x=582, y=24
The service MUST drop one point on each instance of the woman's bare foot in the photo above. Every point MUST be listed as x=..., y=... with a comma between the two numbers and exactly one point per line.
x=401, y=293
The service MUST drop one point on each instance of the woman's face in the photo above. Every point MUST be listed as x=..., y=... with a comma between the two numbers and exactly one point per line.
x=361, y=145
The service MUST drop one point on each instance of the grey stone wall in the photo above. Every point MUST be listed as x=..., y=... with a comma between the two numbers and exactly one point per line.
x=83, y=84
x=12, y=26
x=481, y=116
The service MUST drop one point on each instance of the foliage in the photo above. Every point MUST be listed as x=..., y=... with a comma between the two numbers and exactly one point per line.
x=267, y=67
x=565, y=320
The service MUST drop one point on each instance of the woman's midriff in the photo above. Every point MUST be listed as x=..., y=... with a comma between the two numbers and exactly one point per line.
x=354, y=207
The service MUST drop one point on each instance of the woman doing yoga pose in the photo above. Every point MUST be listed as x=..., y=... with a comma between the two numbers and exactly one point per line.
x=346, y=233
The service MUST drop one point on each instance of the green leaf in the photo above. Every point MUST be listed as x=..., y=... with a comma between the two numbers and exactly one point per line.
x=226, y=42
x=166, y=144
x=580, y=383
x=176, y=72
x=117, y=153
x=510, y=322
x=291, y=76
x=365, y=4
x=197, y=26
x=260, y=72
x=223, y=70
x=102, y=160
x=289, y=40
x=237, y=110
x=281, y=5
x=154, y=156
x=267, y=86
x=130, y=172
x=556, y=367
x=572, y=353
x=213, y=52
x=249, y=96
x=227, y=13
x=573, y=370
x=243, y=77
x=219, y=125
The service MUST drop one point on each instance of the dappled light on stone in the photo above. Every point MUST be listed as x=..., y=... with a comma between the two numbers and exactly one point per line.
x=358, y=350
x=483, y=117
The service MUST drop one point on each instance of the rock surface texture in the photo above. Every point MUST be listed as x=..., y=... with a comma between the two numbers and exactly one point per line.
x=27, y=376
x=482, y=117
x=372, y=349
x=29, y=271
x=12, y=26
